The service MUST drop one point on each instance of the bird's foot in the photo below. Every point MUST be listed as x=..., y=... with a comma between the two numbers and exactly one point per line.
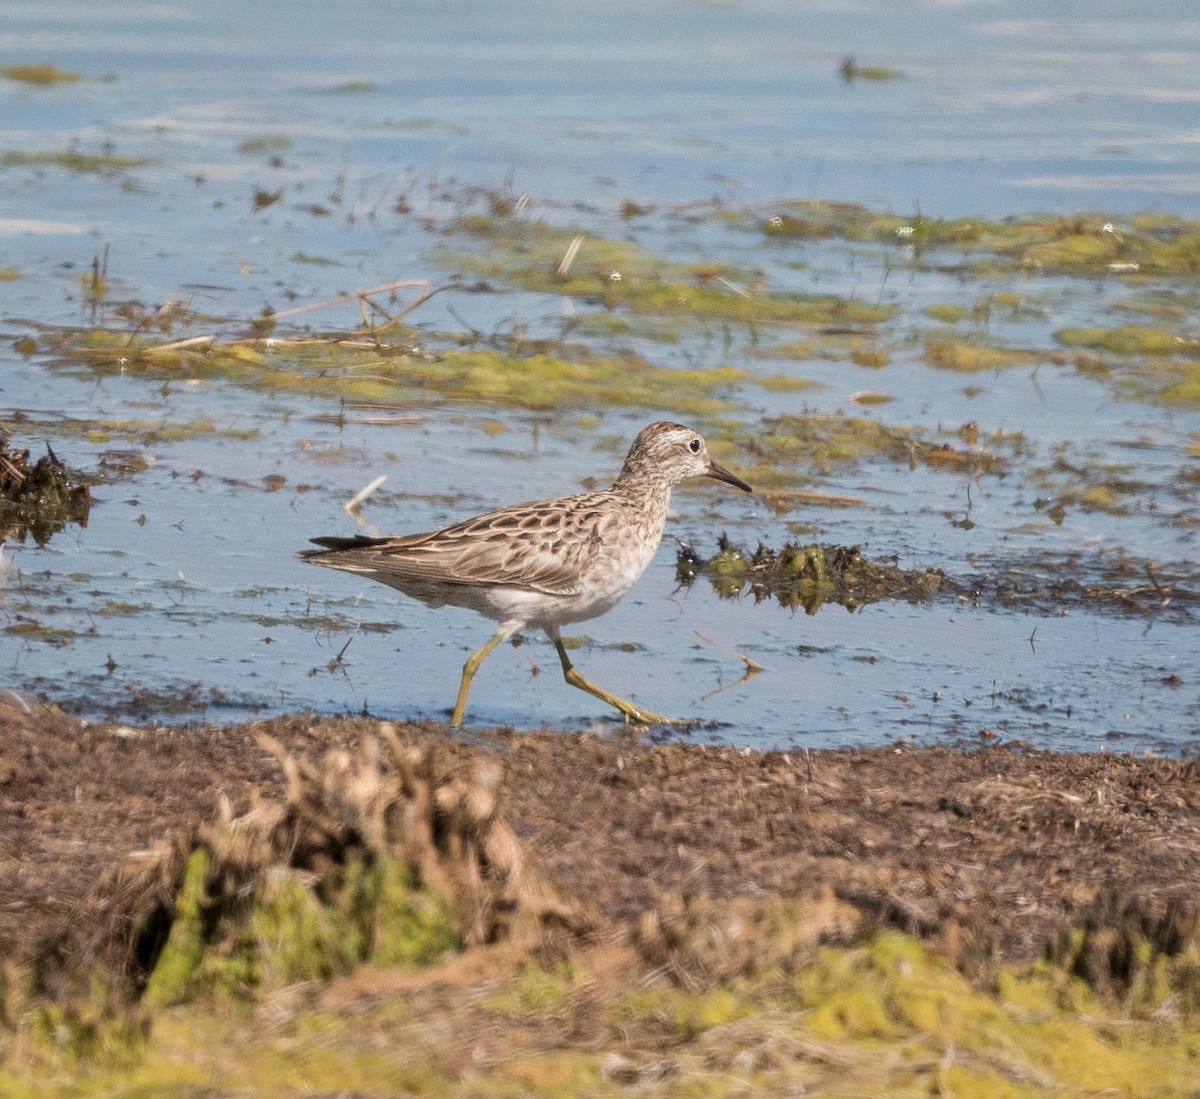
x=634, y=716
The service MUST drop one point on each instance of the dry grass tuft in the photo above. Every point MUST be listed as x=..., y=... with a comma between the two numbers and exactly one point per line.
x=434, y=816
x=698, y=943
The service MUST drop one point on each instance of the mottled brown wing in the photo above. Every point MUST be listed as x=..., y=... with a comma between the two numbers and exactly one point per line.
x=540, y=547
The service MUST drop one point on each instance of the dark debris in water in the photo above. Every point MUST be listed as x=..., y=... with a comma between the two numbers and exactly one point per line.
x=811, y=575
x=1054, y=583
x=38, y=499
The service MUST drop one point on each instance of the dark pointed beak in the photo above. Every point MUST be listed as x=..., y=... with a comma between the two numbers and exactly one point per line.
x=720, y=473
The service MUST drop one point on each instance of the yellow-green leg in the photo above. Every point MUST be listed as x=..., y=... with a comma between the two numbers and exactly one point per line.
x=471, y=667
x=629, y=711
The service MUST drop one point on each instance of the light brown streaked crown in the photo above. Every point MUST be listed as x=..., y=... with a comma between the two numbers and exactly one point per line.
x=663, y=455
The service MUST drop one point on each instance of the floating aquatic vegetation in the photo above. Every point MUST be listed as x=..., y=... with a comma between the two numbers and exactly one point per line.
x=946, y=313
x=551, y=381
x=1054, y=581
x=812, y=575
x=834, y=344
x=269, y=143
x=1163, y=303
x=262, y=199
x=48, y=73
x=1131, y=339
x=1085, y=245
x=806, y=576
x=818, y=442
x=353, y=87
x=1160, y=363
x=970, y=358
x=38, y=499
x=1119, y=488
x=71, y=160
x=394, y=366
x=1182, y=386
x=850, y=71
x=32, y=628
x=618, y=275
x=314, y=261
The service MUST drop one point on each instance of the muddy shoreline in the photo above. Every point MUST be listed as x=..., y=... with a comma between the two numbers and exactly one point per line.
x=992, y=852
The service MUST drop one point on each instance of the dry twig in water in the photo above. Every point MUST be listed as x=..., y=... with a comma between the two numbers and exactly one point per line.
x=753, y=667
x=363, y=298
x=355, y=503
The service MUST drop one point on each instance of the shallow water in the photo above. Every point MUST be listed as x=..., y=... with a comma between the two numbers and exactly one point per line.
x=181, y=599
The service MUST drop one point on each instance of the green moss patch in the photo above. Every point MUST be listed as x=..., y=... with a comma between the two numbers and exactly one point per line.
x=883, y=1015
x=617, y=275
x=282, y=930
x=1033, y=1036
x=817, y=443
x=70, y=160
x=1086, y=245
x=393, y=369
x=274, y=144
x=971, y=358
x=1130, y=339
x=1142, y=955
x=850, y=71
x=43, y=75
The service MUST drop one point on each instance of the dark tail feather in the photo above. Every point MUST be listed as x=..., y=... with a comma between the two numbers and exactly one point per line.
x=332, y=542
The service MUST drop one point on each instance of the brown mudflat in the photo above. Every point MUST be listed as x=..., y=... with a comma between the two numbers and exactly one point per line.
x=1004, y=844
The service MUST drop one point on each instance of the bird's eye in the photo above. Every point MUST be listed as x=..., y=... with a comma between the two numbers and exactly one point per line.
x=695, y=445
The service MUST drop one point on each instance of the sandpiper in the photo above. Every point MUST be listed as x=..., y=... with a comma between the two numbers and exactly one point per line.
x=546, y=563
